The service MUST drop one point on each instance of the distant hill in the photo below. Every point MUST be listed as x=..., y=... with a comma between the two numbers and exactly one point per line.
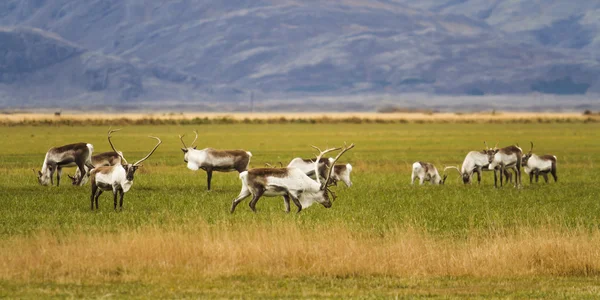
x=86, y=53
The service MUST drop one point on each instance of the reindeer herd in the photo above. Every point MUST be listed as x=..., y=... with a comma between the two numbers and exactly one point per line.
x=303, y=181
x=492, y=159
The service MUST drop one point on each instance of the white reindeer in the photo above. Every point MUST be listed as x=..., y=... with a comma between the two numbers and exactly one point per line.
x=339, y=172
x=78, y=154
x=476, y=162
x=536, y=165
x=117, y=178
x=98, y=160
x=426, y=172
x=290, y=182
x=505, y=158
x=209, y=159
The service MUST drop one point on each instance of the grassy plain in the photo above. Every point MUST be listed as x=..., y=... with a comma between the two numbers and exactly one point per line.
x=382, y=237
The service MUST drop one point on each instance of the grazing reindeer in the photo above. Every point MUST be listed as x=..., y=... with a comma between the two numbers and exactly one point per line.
x=476, y=162
x=209, y=159
x=117, y=178
x=98, y=160
x=78, y=154
x=340, y=172
x=536, y=165
x=505, y=158
x=290, y=182
x=426, y=172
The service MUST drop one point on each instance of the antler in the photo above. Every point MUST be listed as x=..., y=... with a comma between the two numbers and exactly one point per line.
x=496, y=146
x=332, y=165
x=181, y=138
x=146, y=157
x=321, y=153
x=113, y=147
x=530, y=151
x=452, y=167
x=192, y=144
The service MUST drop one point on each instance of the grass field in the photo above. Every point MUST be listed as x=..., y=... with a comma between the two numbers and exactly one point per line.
x=381, y=238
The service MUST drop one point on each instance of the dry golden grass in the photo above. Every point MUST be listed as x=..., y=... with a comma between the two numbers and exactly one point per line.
x=405, y=116
x=202, y=251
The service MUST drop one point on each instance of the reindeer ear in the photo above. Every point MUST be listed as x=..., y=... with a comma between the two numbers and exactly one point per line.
x=40, y=173
x=185, y=150
x=195, y=147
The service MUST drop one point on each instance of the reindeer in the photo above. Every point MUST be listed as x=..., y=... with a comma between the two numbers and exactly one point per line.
x=209, y=159
x=290, y=182
x=476, y=162
x=98, y=160
x=117, y=178
x=536, y=165
x=426, y=172
x=78, y=154
x=340, y=172
x=505, y=158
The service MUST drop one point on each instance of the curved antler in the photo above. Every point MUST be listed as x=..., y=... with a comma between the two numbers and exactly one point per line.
x=146, y=157
x=181, y=138
x=530, y=151
x=486, y=145
x=452, y=167
x=194, y=141
x=321, y=153
x=496, y=146
x=113, y=147
x=332, y=165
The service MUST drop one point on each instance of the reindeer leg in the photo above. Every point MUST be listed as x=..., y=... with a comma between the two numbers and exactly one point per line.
x=286, y=201
x=495, y=179
x=82, y=172
x=98, y=196
x=545, y=177
x=478, y=171
x=553, y=172
x=255, y=198
x=121, y=200
x=208, y=177
x=243, y=195
x=115, y=192
x=58, y=175
x=537, y=176
x=297, y=202
x=94, y=191
x=52, y=168
x=421, y=180
x=501, y=175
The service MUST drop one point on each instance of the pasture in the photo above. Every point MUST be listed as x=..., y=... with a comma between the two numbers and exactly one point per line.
x=381, y=238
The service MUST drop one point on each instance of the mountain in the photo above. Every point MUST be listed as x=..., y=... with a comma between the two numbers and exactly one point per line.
x=196, y=52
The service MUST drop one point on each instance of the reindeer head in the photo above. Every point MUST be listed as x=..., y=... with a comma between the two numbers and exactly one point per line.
x=491, y=152
x=455, y=168
x=324, y=191
x=526, y=157
x=43, y=178
x=131, y=168
x=185, y=148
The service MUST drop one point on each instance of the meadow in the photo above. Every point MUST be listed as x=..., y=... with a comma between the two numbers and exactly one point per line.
x=382, y=237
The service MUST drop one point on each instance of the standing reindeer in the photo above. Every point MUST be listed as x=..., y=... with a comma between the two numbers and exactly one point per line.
x=98, y=160
x=290, y=182
x=536, y=165
x=505, y=158
x=117, y=178
x=78, y=154
x=476, y=162
x=209, y=159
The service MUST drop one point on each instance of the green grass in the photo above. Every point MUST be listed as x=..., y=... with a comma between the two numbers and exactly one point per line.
x=168, y=196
